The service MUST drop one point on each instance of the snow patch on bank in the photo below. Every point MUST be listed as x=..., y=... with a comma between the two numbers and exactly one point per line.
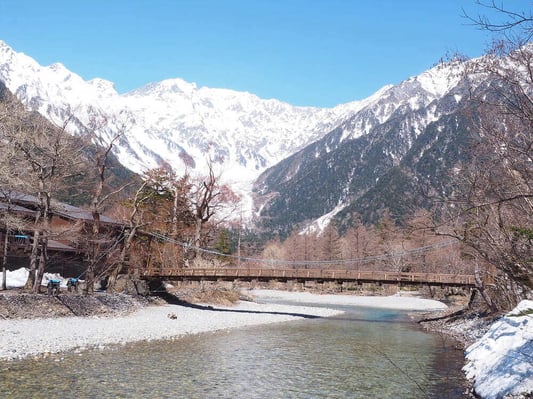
x=17, y=278
x=501, y=362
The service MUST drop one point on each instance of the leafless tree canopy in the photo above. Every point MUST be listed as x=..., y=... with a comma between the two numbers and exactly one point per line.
x=516, y=24
x=492, y=209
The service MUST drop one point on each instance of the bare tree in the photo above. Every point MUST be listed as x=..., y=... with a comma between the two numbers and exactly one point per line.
x=181, y=216
x=492, y=210
x=10, y=172
x=103, y=138
x=330, y=244
x=134, y=222
x=160, y=205
x=516, y=25
x=11, y=223
x=45, y=155
x=9, y=218
x=274, y=253
x=209, y=197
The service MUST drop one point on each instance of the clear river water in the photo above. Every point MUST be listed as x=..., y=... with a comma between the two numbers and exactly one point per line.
x=364, y=353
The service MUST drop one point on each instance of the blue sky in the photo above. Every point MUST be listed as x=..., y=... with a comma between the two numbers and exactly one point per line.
x=305, y=52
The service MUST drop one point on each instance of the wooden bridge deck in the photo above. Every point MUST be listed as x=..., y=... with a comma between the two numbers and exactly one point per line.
x=265, y=274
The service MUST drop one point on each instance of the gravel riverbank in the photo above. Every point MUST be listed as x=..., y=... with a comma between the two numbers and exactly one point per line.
x=36, y=325
x=22, y=338
x=114, y=319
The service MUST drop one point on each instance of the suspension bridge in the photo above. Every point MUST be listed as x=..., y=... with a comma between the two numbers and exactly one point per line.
x=351, y=270
x=303, y=275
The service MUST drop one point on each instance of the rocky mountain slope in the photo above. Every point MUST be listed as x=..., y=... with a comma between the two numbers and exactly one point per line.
x=173, y=121
x=381, y=158
x=307, y=165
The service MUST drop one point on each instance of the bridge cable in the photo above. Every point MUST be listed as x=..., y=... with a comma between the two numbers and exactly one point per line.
x=365, y=259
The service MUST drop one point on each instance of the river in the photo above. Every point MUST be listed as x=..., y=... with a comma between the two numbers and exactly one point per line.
x=364, y=353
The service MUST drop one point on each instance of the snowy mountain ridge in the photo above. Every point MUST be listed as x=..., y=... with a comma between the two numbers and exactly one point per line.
x=175, y=122
x=363, y=165
x=245, y=133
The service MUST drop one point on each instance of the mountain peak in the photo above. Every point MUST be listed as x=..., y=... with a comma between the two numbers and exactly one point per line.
x=58, y=67
x=441, y=78
x=5, y=47
x=103, y=86
x=175, y=122
x=167, y=86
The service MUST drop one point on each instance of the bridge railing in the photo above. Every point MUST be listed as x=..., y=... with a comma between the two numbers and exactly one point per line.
x=310, y=274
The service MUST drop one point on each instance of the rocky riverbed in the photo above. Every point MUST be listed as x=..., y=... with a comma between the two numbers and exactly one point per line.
x=19, y=305
x=38, y=325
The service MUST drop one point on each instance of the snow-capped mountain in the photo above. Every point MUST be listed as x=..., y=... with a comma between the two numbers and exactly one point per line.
x=307, y=163
x=173, y=121
x=375, y=159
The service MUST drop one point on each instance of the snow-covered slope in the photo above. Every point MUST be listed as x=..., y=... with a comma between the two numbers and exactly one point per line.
x=330, y=178
x=173, y=121
x=500, y=363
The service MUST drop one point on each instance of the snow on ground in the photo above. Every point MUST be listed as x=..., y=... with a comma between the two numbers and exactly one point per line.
x=17, y=278
x=501, y=362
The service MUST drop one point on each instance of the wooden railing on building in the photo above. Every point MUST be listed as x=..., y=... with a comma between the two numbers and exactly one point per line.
x=267, y=274
x=17, y=243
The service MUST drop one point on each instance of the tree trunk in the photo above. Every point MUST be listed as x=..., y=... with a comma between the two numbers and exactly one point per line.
x=89, y=281
x=34, y=260
x=4, y=260
x=175, y=210
x=113, y=276
x=94, y=245
x=197, y=237
x=44, y=208
x=481, y=289
x=90, y=273
x=124, y=255
x=42, y=265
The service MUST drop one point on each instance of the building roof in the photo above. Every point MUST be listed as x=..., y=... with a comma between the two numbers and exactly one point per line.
x=58, y=208
x=59, y=246
x=75, y=213
x=4, y=206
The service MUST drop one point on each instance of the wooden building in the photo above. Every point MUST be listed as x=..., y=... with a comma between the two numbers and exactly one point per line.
x=67, y=243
